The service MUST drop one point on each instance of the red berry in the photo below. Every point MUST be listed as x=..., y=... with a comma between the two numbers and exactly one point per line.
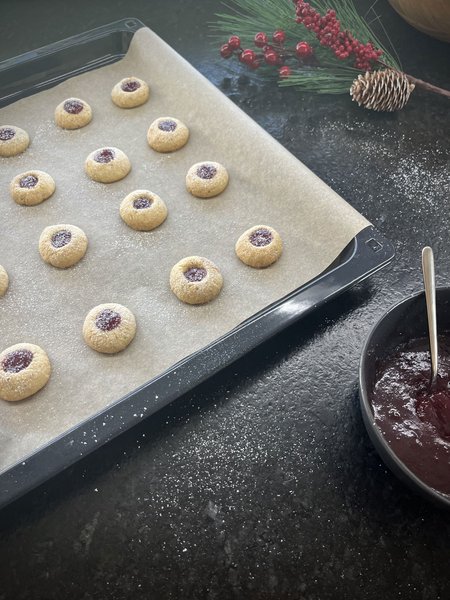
x=303, y=50
x=247, y=56
x=234, y=42
x=279, y=36
x=285, y=71
x=261, y=39
x=254, y=64
x=226, y=51
x=271, y=57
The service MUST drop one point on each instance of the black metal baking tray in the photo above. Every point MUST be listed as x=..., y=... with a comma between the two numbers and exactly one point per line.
x=368, y=252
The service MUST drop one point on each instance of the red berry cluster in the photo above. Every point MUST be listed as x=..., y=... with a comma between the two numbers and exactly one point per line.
x=328, y=31
x=273, y=52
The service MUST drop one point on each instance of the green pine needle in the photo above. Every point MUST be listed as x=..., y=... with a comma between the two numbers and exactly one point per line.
x=321, y=80
x=334, y=76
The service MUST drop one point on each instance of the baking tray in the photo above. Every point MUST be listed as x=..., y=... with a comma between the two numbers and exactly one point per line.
x=368, y=252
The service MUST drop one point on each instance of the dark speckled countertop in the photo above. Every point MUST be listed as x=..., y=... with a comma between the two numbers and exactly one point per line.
x=262, y=483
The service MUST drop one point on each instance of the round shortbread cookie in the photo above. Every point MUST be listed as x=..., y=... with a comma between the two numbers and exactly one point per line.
x=109, y=328
x=206, y=179
x=24, y=370
x=167, y=134
x=259, y=246
x=13, y=140
x=4, y=281
x=130, y=92
x=73, y=113
x=143, y=210
x=107, y=165
x=62, y=245
x=32, y=187
x=195, y=280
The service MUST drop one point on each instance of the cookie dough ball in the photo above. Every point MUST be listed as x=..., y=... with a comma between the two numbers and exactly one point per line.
x=206, y=179
x=130, y=92
x=24, y=370
x=13, y=140
x=107, y=165
x=167, y=134
x=4, y=281
x=62, y=245
x=32, y=187
x=73, y=113
x=259, y=246
x=109, y=328
x=195, y=280
x=143, y=210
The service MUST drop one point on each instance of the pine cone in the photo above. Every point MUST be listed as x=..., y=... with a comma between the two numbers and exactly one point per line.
x=386, y=90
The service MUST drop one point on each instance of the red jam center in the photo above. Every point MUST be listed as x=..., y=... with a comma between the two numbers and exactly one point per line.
x=261, y=237
x=16, y=361
x=140, y=203
x=108, y=320
x=29, y=181
x=6, y=133
x=131, y=86
x=61, y=238
x=167, y=125
x=74, y=107
x=206, y=171
x=195, y=274
x=414, y=418
x=104, y=156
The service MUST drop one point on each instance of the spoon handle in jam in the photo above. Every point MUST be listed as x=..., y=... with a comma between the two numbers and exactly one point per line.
x=430, y=296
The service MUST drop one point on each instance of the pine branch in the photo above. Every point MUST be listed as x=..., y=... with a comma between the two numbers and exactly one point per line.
x=334, y=76
x=321, y=80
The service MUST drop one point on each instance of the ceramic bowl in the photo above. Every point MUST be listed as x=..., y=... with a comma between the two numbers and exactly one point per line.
x=404, y=321
x=430, y=16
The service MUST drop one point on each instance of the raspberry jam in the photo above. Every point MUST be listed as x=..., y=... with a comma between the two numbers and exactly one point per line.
x=29, y=181
x=141, y=203
x=195, y=274
x=6, y=133
x=61, y=238
x=130, y=86
x=108, y=319
x=206, y=171
x=167, y=125
x=260, y=237
x=73, y=107
x=17, y=361
x=104, y=156
x=414, y=418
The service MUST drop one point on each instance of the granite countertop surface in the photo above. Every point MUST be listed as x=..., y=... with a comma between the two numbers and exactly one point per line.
x=261, y=483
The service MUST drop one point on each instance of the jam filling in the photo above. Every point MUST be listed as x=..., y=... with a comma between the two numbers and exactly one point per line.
x=29, y=181
x=167, y=125
x=195, y=274
x=74, y=107
x=130, y=86
x=260, y=237
x=17, y=361
x=61, y=238
x=6, y=133
x=140, y=203
x=104, y=156
x=206, y=171
x=413, y=417
x=108, y=320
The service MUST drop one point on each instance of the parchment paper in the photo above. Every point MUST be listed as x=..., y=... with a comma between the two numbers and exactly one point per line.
x=47, y=306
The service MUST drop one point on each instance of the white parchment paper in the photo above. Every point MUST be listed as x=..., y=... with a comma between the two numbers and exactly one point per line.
x=47, y=306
